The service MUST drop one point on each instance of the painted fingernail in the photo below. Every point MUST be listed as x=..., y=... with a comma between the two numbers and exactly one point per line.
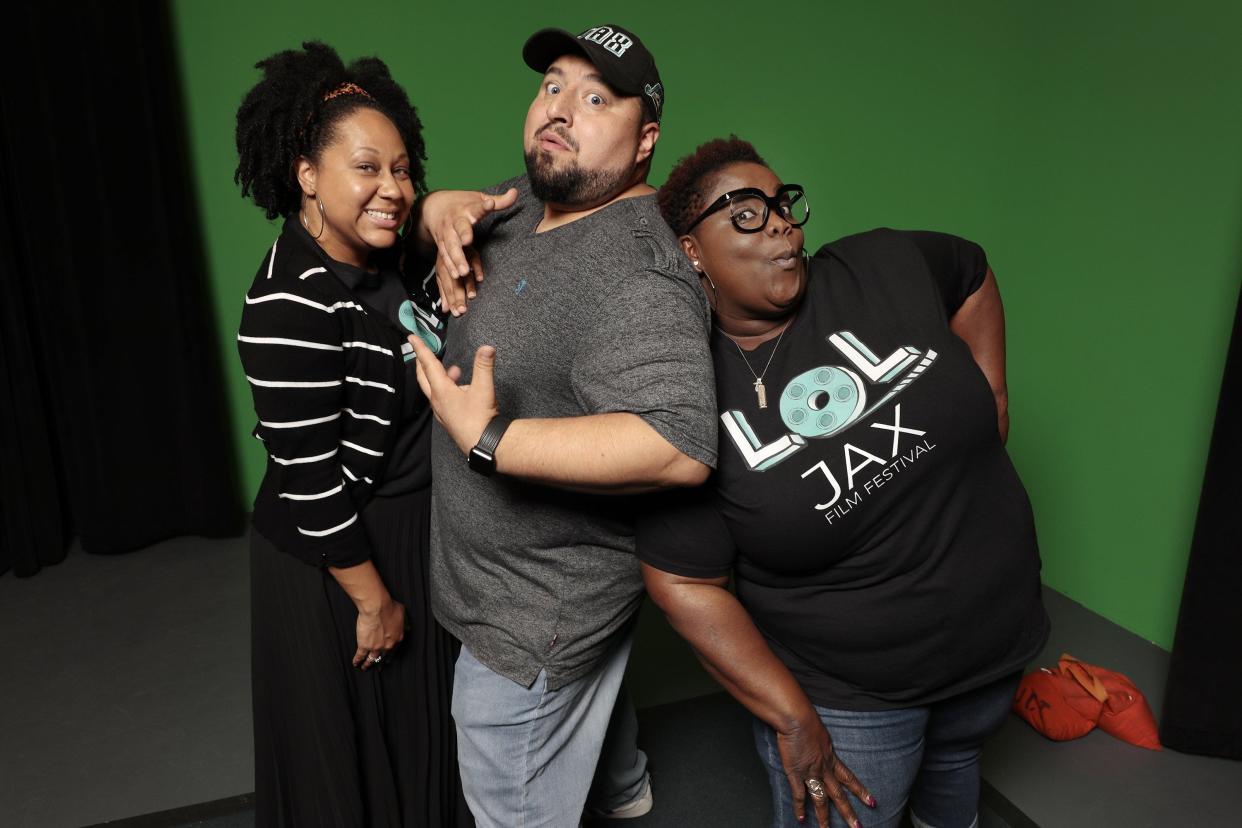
x=802, y=818
x=870, y=800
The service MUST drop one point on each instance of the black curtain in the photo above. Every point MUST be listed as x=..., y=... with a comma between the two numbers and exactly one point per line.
x=113, y=425
x=1202, y=713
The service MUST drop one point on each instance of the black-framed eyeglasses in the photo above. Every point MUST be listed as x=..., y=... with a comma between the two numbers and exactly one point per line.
x=750, y=207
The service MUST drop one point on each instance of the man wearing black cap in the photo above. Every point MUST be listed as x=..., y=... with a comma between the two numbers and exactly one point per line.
x=591, y=381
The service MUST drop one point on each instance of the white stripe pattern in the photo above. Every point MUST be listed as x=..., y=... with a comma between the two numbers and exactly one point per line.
x=353, y=476
x=358, y=416
x=271, y=261
x=362, y=449
x=369, y=384
x=302, y=300
x=293, y=461
x=319, y=534
x=297, y=343
x=313, y=271
x=299, y=423
x=368, y=346
x=284, y=384
x=320, y=496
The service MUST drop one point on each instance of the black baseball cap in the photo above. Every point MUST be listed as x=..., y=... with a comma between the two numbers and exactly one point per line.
x=621, y=58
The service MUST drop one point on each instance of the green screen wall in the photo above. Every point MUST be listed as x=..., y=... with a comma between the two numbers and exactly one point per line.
x=1094, y=149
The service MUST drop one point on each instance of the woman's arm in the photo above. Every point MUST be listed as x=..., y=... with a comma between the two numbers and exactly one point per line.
x=381, y=620
x=729, y=645
x=980, y=322
x=287, y=343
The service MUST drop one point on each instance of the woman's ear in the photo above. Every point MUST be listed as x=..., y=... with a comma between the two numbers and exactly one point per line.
x=306, y=174
x=691, y=248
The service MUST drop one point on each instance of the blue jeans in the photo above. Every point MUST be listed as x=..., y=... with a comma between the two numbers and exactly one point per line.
x=528, y=755
x=926, y=758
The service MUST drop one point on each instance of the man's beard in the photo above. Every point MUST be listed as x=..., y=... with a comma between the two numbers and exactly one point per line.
x=571, y=186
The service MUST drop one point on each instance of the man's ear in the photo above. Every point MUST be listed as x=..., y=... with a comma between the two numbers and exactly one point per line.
x=647, y=137
x=306, y=174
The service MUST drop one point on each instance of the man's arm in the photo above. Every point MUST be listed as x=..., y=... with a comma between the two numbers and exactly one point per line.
x=607, y=453
x=980, y=322
x=613, y=453
x=445, y=228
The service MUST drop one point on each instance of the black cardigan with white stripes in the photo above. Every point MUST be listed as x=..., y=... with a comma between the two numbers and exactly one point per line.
x=327, y=378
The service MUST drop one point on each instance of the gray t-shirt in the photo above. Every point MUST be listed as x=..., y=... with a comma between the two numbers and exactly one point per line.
x=600, y=315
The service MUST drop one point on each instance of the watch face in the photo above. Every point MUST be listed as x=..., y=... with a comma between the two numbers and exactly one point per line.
x=481, y=461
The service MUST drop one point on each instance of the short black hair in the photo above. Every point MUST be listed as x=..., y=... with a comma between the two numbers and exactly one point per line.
x=684, y=193
x=285, y=117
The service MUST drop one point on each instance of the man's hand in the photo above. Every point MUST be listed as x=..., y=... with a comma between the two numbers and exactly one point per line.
x=463, y=410
x=446, y=220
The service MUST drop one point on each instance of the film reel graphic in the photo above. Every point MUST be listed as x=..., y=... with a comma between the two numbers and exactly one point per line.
x=822, y=401
x=826, y=400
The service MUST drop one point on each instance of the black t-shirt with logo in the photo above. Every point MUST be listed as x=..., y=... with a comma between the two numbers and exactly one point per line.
x=876, y=529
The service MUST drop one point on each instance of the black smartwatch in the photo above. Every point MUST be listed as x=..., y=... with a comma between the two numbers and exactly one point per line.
x=482, y=457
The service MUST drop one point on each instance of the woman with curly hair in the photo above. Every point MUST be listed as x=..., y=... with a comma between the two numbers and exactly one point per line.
x=351, y=694
x=881, y=544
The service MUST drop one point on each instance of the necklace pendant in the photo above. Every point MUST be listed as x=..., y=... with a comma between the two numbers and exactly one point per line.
x=761, y=393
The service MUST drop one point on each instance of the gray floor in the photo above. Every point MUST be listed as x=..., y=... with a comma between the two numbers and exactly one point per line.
x=127, y=692
x=126, y=686
x=1097, y=780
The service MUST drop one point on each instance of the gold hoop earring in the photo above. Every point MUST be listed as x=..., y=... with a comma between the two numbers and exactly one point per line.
x=714, y=298
x=322, y=220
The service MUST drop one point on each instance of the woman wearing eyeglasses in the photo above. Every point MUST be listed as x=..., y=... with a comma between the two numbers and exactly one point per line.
x=880, y=542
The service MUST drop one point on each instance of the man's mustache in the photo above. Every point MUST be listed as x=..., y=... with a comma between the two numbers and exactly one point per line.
x=559, y=132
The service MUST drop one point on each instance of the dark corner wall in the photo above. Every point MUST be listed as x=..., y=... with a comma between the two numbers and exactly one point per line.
x=1095, y=150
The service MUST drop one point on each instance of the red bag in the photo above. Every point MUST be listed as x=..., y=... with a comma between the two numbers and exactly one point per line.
x=1042, y=701
x=1071, y=700
x=1126, y=714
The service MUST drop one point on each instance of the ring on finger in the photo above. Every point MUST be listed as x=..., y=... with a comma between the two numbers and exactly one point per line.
x=815, y=788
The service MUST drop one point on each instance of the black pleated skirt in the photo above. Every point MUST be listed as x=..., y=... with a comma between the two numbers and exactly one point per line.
x=335, y=746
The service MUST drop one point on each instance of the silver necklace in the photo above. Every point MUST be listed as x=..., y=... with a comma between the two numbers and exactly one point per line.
x=761, y=393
